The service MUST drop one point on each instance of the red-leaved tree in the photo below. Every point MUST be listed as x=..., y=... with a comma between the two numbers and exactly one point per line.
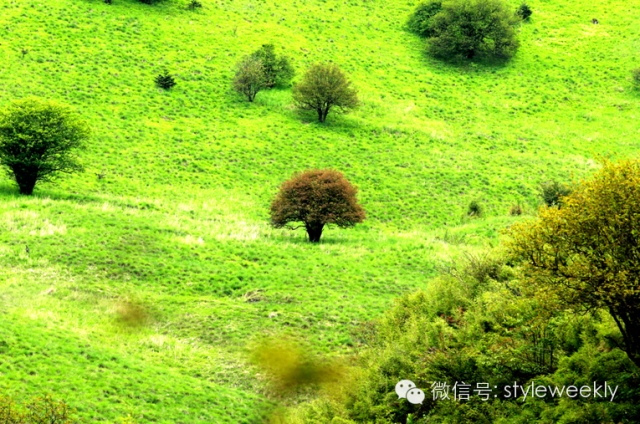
x=314, y=199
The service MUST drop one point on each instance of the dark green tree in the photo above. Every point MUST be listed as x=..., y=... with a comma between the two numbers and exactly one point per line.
x=39, y=140
x=464, y=29
x=325, y=87
x=278, y=70
x=165, y=80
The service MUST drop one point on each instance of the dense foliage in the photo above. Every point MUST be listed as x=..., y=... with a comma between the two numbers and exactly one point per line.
x=464, y=29
x=420, y=20
x=39, y=141
x=480, y=324
x=316, y=198
x=278, y=70
x=586, y=253
x=325, y=87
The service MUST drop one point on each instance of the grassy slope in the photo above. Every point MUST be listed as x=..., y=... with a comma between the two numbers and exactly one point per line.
x=180, y=218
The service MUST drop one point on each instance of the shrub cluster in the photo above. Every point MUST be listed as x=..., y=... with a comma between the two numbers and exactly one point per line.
x=39, y=410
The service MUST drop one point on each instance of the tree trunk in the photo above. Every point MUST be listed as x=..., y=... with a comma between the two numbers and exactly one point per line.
x=314, y=232
x=321, y=115
x=629, y=324
x=26, y=181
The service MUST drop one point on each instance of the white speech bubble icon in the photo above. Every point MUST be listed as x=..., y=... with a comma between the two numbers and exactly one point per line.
x=415, y=396
x=403, y=386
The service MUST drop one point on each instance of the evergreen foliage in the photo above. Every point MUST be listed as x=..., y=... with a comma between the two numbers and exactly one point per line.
x=553, y=192
x=165, y=80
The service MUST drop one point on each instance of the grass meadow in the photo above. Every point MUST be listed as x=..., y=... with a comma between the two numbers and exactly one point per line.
x=172, y=211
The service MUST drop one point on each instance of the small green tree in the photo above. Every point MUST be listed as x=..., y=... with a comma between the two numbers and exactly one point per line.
x=250, y=78
x=278, y=70
x=323, y=88
x=316, y=198
x=420, y=20
x=464, y=29
x=165, y=80
x=38, y=140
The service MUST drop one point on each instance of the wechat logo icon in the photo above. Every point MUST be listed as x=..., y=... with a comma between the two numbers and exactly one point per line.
x=406, y=389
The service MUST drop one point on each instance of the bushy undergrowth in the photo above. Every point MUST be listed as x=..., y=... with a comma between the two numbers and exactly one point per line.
x=481, y=325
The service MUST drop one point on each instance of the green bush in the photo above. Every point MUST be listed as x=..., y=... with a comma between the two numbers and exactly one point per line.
x=465, y=29
x=420, y=19
x=165, y=80
x=40, y=410
x=278, y=70
x=475, y=208
x=524, y=11
x=553, y=192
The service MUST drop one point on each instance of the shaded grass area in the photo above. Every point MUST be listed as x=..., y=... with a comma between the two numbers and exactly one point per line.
x=102, y=384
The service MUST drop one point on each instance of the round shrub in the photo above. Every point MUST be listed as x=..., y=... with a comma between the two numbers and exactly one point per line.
x=465, y=29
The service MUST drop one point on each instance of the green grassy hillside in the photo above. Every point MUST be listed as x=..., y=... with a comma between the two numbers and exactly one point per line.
x=180, y=221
